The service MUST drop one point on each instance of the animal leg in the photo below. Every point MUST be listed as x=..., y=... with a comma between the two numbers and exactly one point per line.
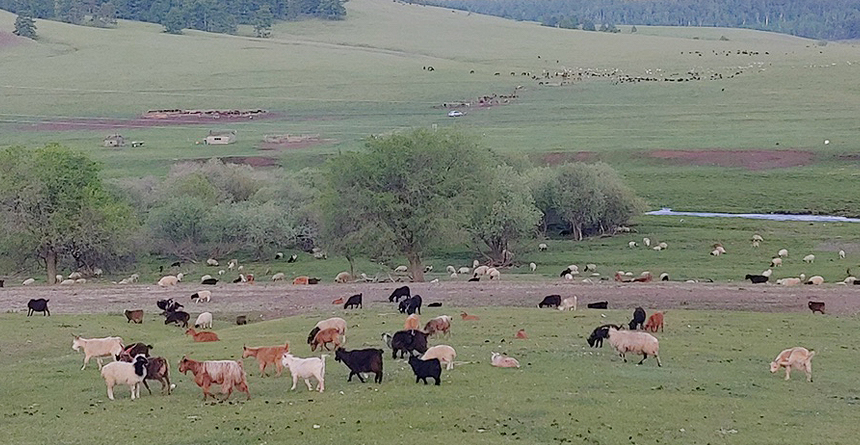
x=308, y=382
x=438, y=381
x=110, y=392
x=262, y=369
x=295, y=380
x=450, y=366
x=808, y=369
x=86, y=360
x=360, y=378
x=658, y=361
x=150, y=391
x=788, y=372
x=99, y=361
x=320, y=384
x=644, y=356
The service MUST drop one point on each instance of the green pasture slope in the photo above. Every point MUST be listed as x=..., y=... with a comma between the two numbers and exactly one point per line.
x=347, y=80
x=714, y=386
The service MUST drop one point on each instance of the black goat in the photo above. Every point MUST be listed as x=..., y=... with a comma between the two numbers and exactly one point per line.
x=210, y=281
x=399, y=293
x=313, y=334
x=168, y=305
x=361, y=360
x=137, y=348
x=38, y=305
x=426, y=368
x=598, y=305
x=550, y=301
x=436, y=304
x=413, y=304
x=353, y=301
x=638, y=321
x=178, y=317
x=756, y=279
x=408, y=341
x=241, y=319
x=600, y=333
x=816, y=306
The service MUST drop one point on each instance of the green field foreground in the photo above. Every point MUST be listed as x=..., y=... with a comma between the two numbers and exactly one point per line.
x=714, y=386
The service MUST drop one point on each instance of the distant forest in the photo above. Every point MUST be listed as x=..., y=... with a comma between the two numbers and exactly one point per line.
x=205, y=15
x=818, y=19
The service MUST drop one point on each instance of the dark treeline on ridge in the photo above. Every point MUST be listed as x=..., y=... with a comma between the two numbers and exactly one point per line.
x=205, y=15
x=819, y=19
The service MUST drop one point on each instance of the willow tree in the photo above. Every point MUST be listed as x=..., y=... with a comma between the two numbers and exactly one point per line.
x=53, y=202
x=406, y=193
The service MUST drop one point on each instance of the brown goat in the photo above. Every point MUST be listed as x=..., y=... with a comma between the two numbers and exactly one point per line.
x=522, y=334
x=466, y=316
x=157, y=368
x=202, y=336
x=227, y=373
x=412, y=322
x=267, y=355
x=654, y=322
x=441, y=324
x=135, y=315
x=324, y=337
x=338, y=301
x=301, y=280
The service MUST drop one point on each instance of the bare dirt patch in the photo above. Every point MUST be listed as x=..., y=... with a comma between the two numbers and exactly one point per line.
x=559, y=157
x=748, y=159
x=281, y=299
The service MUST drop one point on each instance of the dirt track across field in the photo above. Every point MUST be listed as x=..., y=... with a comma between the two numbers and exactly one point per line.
x=283, y=299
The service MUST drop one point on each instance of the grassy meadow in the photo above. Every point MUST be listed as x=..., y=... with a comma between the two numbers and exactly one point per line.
x=714, y=386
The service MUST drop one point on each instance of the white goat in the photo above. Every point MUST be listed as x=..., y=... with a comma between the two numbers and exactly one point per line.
x=124, y=373
x=841, y=254
x=568, y=304
x=444, y=353
x=809, y=259
x=782, y=252
x=306, y=368
x=98, y=348
x=503, y=361
x=204, y=321
x=637, y=342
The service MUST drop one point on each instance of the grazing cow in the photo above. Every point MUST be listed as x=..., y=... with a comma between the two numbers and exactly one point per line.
x=38, y=305
x=598, y=305
x=550, y=301
x=353, y=302
x=399, y=293
x=227, y=373
x=816, y=306
x=638, y=321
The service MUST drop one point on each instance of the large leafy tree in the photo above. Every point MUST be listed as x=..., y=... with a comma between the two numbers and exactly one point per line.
x=406, y=193
x=53, y=201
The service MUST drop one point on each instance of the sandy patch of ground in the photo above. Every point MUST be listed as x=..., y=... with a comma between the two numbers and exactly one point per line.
x=749, y=159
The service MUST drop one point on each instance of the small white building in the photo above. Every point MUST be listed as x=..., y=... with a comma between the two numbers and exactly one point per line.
x=222, y=137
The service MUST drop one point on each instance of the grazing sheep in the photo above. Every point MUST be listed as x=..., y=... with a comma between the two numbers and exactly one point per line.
x=776, y=262
x=809, y=259
x=441, y=324
x=655, y=321
x=123, y=373
x=466, y=316
x=464, y=270
x=719, y=247
x=324, y=337
x=635, y=342
x=647, y=242
x=209, y=281
x=816, y=280
x=267, y=355
x=533, y=267
x=841, y=254
x=542, y=247
x=168, y=280
x=58, y=278
x=212, y=262
x=305, y=368
x=401, y=269
x=67, y=282
x=568, y=304
x=657, y=248
x=757, y=279
x=98, y=348
x=782, y=253
x=816, y=306
x=788, y=281
x=411, y=322
x=797, y=357
x=407, y=341
x=631, y=244
x=443, y=353
x=205, y=277
x=201, y=337
x=494, y=273
x=664, y=246
x=424, y=369
x=361, y=360
x=399, y=293
x=278, y=276
x=38, y=305
x=503, y=361
x=767, y=273
x=135, y=315
x=343, y=277
x=716, y=252
x=202, y=295
x=227, y=373
x=756, y=244
x=480, y=270
x=638, y=319
x=598, y=305
x=353, y=302
x=28, y=281
x=550, y=301
x=204, y=321
x=758, y=238
x=664, y=276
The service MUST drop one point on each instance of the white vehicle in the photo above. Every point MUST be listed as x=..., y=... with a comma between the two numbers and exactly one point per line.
x=456, y=113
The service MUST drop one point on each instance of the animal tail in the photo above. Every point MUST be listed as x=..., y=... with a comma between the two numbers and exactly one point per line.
x=811, y=354
x=287, y=346
x=322, y=357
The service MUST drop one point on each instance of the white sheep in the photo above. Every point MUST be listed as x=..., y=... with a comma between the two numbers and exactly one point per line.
x=134, y=277
x=278, y=276
x=124, y=373
x=58, y=278
x=782, y=253
x=718, y=247
x=306, y=368
x=401, y=269
x=568, y=304
x=657, y=248
x=542, y=247
x=75, y=275
x=647, y=242
x=205, y=277
x=637, y=342
x=767, y=273
x=590, y=267
x=450, y=269
x=97, y=272
x=204, y=321
x=168, y=280
x=664, y=276
x=816, y=280
x=232, y=264
x=841, y=254
x=464, y=270
x=494, y=273
x=222, y=272
x=444, y=353
x=481, y=270
x=849, y=280
x=81, y=281
x=568, y=276
x=631, y=244
x=343, y=277
x=28, y=281
x=67, y=282
x=757, y=237
x=788, y=281
x=533, y=267
x=776, y=262
x=503, y=361
x=809, y=259
x=574, y=269
x=202, y=295
x=97, y=347
x=665, y=246
x=212, y=262
x=475, y=263
x=716, y=252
